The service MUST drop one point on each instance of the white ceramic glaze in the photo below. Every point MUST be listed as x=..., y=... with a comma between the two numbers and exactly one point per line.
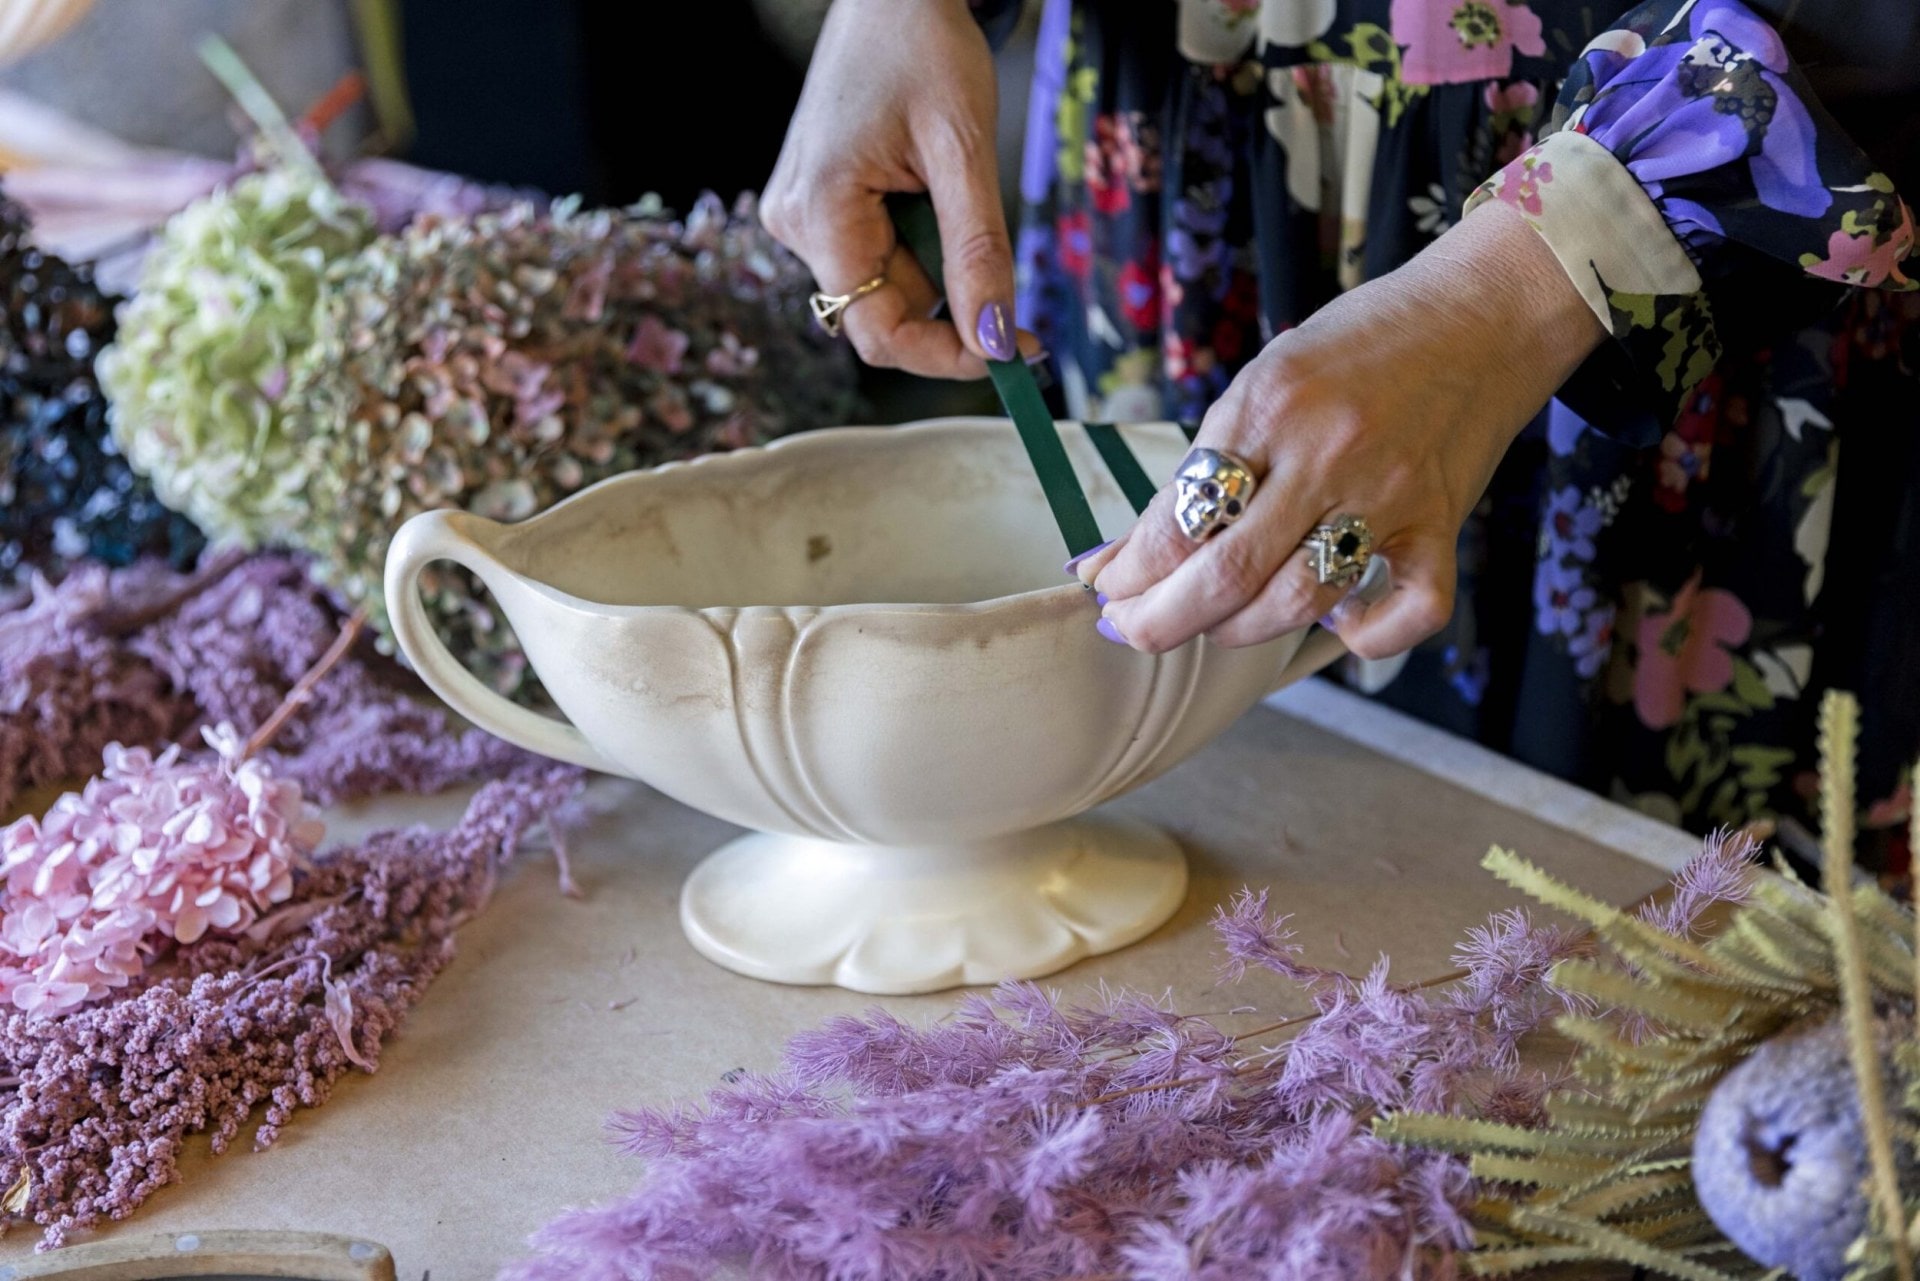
x=859, y=644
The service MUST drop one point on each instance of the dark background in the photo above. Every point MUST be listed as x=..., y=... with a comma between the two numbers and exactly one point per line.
x=609, y=99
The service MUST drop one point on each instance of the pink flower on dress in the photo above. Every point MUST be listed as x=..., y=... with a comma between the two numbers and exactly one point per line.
x=1686, y=650
x=1452, y=41
x=1866, y=259
x=1509, y=100
x=1520, y=182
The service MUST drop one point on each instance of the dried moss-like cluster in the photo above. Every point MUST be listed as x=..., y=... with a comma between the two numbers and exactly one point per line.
x=66, y=493
x=1608, y=1179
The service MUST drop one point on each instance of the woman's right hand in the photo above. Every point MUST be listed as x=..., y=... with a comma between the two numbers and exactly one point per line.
x=901, y=98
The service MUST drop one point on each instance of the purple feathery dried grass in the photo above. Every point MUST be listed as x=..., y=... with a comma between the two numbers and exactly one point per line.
x=98, y=1101
x=1721, y=874
x=67, y=691
x=143, y=656
x=1024, y=1138
x=104, y=1098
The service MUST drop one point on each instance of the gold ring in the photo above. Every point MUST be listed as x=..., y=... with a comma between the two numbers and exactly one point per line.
x=827, y=308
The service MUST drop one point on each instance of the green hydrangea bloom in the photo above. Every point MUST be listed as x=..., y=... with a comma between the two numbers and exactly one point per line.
x=216, y=393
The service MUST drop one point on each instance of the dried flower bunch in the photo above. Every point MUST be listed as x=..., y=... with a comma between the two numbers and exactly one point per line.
x=145, y=657
x=286, y=377
x=155, y=850
x=177, y=953
x=66, y=493
x=1022, y=1138
x=107, y=1095
x=216, y=392
x=1733, y=1093
x=501, y=362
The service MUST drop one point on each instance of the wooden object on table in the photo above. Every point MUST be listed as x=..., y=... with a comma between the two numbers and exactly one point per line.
x=302, y=1256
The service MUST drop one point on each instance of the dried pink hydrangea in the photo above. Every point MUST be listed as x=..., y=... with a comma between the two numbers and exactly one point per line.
x=154, y=849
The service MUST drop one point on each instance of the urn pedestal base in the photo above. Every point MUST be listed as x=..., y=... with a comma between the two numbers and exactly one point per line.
x=895, y=920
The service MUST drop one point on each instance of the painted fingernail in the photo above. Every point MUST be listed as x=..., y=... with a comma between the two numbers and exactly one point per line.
x=1039, y=358
x=1100, y=599
x=996, y=332
x=1106, y=628
x=1073, y=566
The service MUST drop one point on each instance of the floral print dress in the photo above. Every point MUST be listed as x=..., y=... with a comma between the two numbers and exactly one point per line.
x=1719, y=516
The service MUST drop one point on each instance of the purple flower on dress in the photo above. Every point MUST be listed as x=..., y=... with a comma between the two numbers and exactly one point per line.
x=1564, y=428
x=1454, y=41
x=1561, y=598
x=1591, y=646
x=1687, y=106
x=1468, y=674
x=1571, y=524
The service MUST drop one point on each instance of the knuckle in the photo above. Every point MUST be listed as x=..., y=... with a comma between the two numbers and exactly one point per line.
x=984, y=249
x=1370, y=646
x=1428, y=613
x=872, y=348
x=1233, y=571
x=780, y=215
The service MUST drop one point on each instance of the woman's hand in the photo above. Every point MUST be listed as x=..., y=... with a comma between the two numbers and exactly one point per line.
x=901, y=97
x=1394, y=402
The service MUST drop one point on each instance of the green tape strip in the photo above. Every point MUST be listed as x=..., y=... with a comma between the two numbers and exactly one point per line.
x=1189, y=430
x=1127, y=471
x=1071, y=511
x=919, y=230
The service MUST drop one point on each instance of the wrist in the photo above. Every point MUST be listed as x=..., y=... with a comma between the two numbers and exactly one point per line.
x=1514, y=298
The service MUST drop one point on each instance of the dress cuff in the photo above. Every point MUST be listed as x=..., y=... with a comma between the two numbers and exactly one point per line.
x=1600, y=223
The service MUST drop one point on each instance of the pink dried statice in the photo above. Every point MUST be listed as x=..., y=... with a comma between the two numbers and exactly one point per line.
x=107, y=1095
x=1020, y=1138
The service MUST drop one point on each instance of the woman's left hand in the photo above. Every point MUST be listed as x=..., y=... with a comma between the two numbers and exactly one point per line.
x=1394, y=402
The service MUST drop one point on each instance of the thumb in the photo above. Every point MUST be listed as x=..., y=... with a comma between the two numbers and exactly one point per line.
x=964, y=182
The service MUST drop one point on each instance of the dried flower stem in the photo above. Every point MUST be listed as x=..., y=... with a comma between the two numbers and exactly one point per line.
x=1839, y=723
x=1438, y=980
x=303, y=688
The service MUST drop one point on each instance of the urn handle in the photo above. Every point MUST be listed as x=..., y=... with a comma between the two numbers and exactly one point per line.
x=459, y=537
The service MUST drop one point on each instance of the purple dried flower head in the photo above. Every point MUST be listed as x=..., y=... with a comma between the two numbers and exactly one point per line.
x=1253, y=938
x=1721, y=873
x=1780, y=1156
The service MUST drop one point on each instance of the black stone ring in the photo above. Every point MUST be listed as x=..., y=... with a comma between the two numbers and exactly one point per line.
x=1339, y=550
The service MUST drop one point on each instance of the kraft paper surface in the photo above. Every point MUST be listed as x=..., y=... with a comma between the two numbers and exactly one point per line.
x=485, y=1118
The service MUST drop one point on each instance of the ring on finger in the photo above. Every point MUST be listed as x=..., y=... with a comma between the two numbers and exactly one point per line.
x=1339, y=550
x=829, y=309
x=1211, y=491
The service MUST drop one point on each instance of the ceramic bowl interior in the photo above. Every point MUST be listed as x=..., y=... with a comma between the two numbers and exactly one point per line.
x=926, y=520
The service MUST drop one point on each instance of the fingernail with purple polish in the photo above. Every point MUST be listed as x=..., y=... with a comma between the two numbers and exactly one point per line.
x=1100, y=599
x=1106, y=628
x=996, y=332
x=1073, y=565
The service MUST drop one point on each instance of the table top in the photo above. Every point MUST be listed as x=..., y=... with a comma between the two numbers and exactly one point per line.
x=485, y=1118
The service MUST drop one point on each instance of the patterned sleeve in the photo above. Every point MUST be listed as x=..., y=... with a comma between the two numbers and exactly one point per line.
x=1687, y=148
x=997, y=18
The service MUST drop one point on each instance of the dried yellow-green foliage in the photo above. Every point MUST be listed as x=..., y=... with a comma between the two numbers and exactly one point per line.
x=1606, y=1179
